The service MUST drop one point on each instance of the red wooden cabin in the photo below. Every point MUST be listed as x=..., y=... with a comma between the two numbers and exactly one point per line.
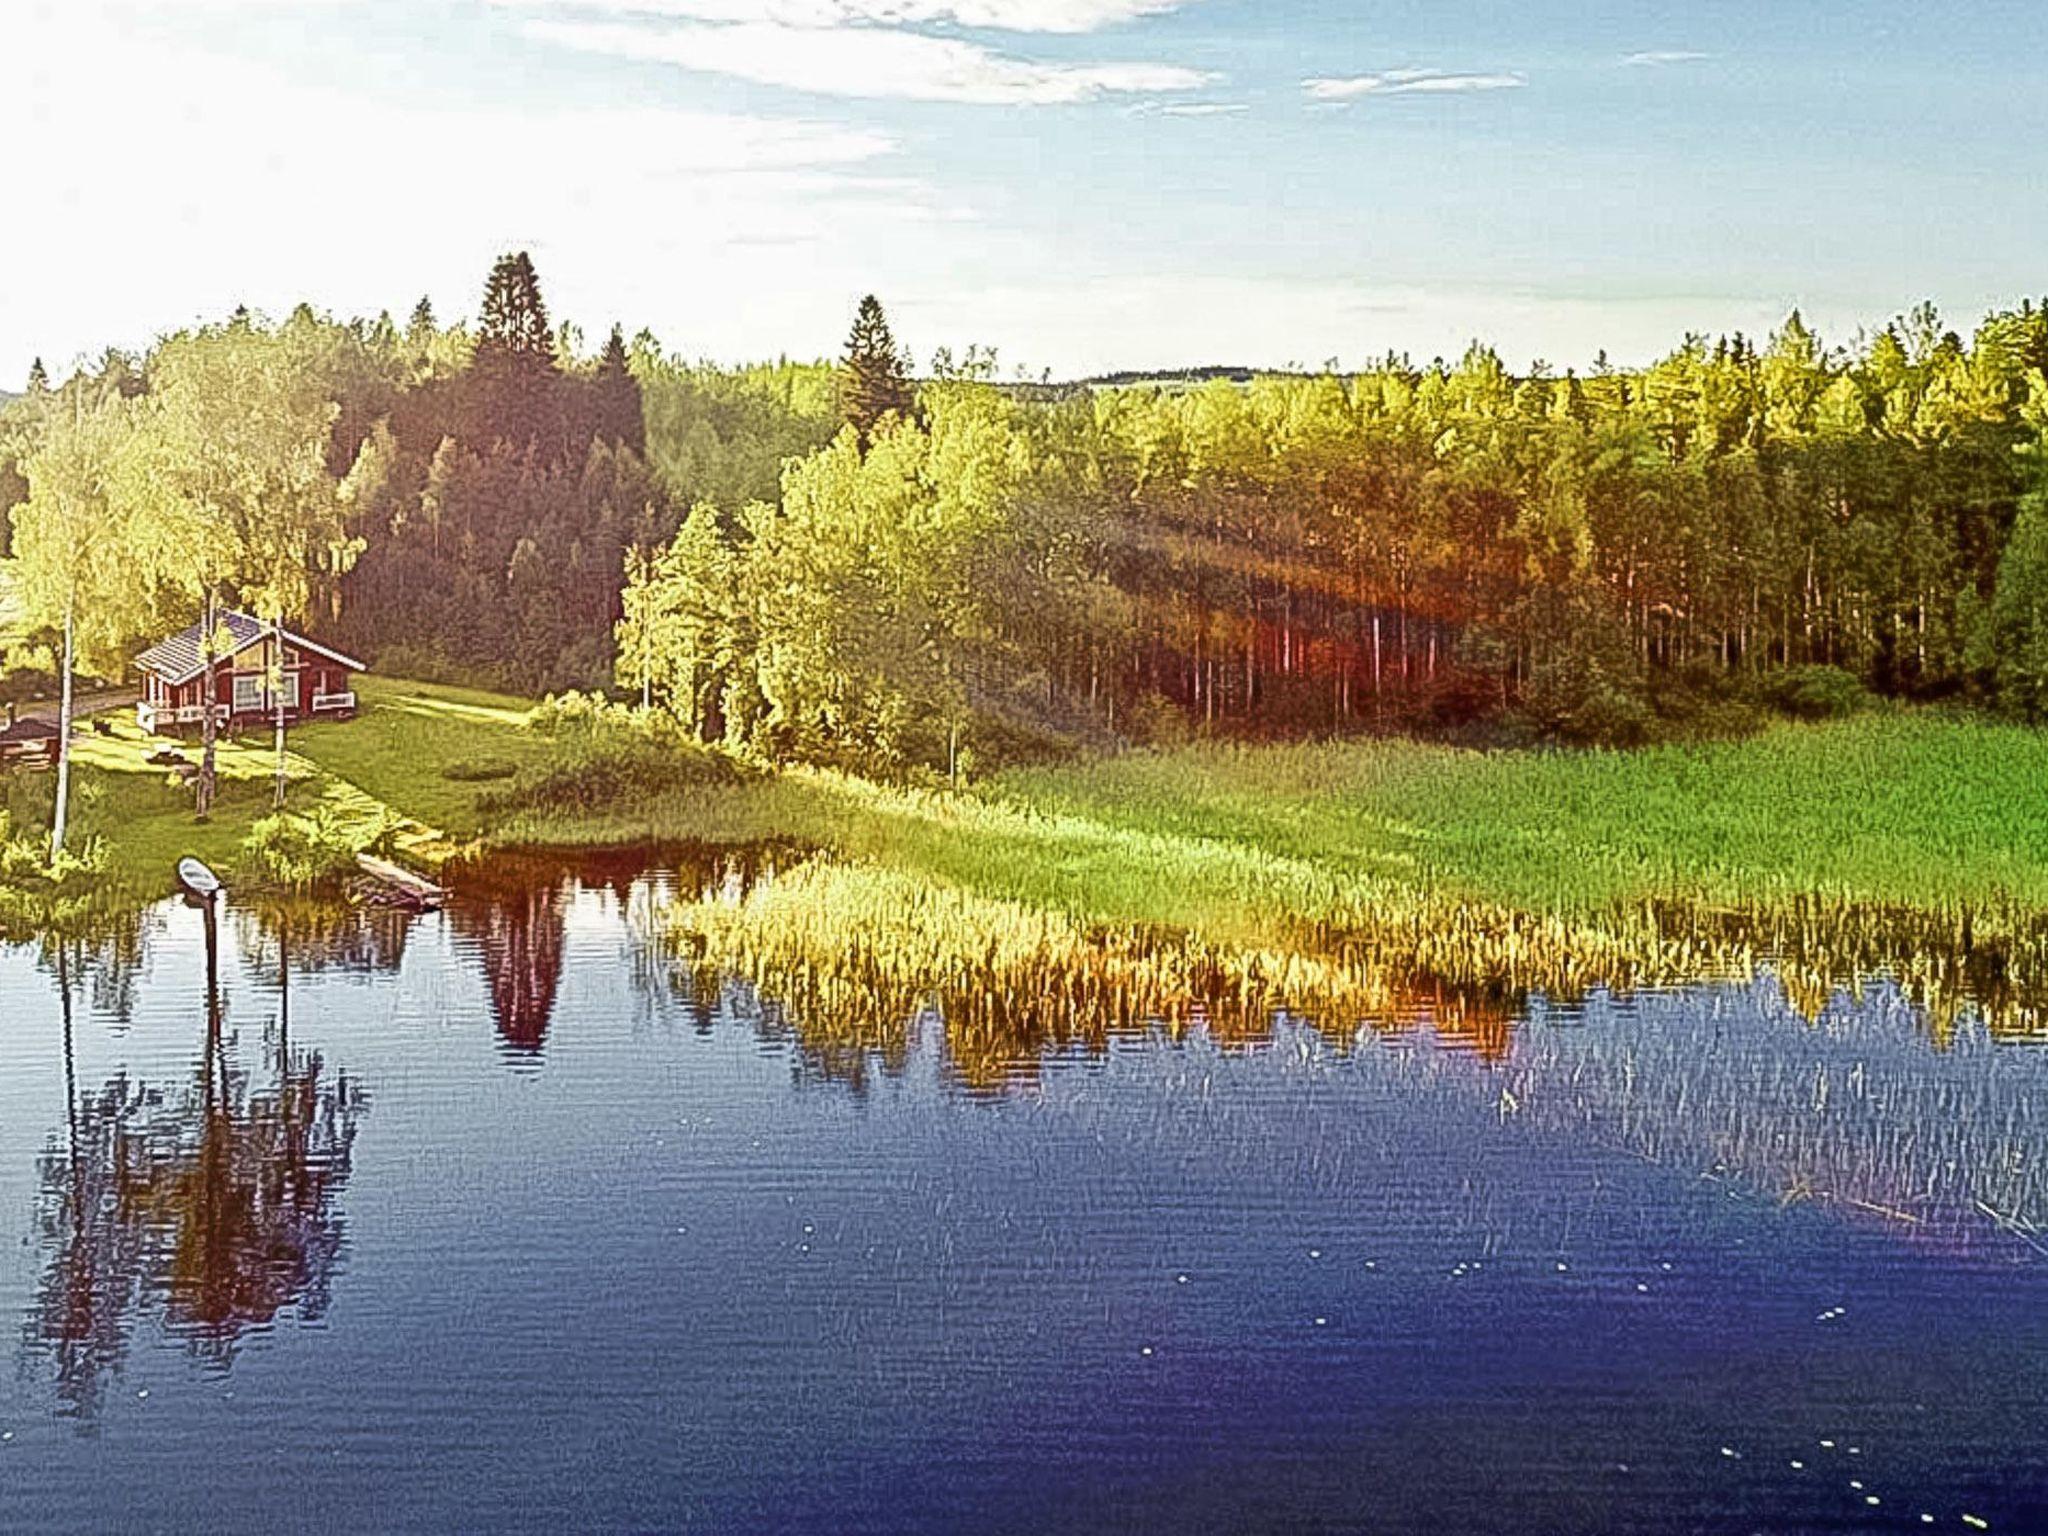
x=319, y=684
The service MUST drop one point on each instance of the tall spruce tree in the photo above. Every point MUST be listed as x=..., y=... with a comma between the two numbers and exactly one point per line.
x=515, y=369
x=875, y=380
x=620, y=417
x=38, y=378
x=514, y=326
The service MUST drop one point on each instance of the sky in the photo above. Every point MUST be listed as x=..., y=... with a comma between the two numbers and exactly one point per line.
x=1082, y=185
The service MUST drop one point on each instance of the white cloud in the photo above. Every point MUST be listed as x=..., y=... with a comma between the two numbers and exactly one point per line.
x=996, y=15
x=1656, y=56
x=1407, y=82
x=864, y=62
x=1186, y=108
x=188, y=183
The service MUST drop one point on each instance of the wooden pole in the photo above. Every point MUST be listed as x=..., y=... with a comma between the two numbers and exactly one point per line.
x=63, y=811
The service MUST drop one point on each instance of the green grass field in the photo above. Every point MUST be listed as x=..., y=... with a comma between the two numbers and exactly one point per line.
x=1911, y=809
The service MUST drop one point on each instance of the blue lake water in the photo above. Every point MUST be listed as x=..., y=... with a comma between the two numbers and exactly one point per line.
x=481, y=1220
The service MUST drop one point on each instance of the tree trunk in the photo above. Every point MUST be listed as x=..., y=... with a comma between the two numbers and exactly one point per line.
x=277, y=662
x=207, y=724
x=63, y=811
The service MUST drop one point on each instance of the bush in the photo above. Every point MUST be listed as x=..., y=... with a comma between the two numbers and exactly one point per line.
x=1578, y=701
x=602, y=754
x=1820, y=693
x=479, y=770
x=301, y=851
x=1156, y=721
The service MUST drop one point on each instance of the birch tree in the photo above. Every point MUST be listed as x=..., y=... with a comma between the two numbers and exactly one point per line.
x=72, y=572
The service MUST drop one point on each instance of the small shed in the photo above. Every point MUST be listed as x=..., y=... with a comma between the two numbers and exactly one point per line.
x=318, y=681
x=28, y=743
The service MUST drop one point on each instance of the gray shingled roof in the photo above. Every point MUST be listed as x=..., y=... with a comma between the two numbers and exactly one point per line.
x=179, y=659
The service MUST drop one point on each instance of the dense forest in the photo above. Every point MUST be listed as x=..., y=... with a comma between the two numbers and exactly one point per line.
x=839, y=563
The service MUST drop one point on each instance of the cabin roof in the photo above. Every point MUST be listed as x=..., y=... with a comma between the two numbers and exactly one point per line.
x=181, y=658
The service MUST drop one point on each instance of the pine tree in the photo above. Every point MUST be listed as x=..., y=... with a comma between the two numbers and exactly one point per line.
x=38, y=378
x=875, y=380
x=421, y=327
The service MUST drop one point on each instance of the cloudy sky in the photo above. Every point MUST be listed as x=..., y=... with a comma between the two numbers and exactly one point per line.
x=1081, y=184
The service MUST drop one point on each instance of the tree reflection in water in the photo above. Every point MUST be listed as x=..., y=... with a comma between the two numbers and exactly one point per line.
x=514, y=908
x=215, y=1204
x=517, y=922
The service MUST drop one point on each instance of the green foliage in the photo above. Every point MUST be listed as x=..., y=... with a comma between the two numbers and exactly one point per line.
x=1820, y=693
x=302, y=852
x=1013, y=570
x=2017, y=624
x=722, y=436
x=513, y=330
x=599, y=755
x=875, y=377
x=1578, y=701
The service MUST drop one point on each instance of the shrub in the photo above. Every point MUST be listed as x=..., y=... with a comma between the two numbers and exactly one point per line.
x=1820, y=693
x=602, y=754
x=301, y=851
x=1580, y=702
x=479, y=770
x=1156, y=721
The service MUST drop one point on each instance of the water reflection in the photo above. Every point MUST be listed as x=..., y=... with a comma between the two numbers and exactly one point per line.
x=513, y=909
x=1110, y=1222
x=213, y=1204
x=517, y=926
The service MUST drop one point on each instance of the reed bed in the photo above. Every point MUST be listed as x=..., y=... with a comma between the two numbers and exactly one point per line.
x=853, y=953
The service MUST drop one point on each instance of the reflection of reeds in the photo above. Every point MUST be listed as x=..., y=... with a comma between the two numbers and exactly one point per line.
x=1871, y=1098
x=854, y=951
x=1850, y=1108
x=853, y=955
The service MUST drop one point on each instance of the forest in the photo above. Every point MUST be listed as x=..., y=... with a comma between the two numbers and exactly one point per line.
x=909, y=571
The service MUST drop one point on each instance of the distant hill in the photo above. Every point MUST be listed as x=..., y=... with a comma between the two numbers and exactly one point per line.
x=1167, y=379
x=1126, y=378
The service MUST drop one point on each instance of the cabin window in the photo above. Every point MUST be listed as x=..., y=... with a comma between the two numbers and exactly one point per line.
x=248, y=691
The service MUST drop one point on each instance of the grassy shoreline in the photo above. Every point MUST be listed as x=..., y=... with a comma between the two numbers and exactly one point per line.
x=1895, y=840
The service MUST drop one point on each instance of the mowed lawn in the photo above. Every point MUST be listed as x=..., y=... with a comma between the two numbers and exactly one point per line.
x=381, y=770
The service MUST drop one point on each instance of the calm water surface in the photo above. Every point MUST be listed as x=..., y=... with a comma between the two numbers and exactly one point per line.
x=482, y=1221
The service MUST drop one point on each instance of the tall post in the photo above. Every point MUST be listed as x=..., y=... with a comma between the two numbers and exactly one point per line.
x=63, y=811
x=278, y=671
x=208, y=726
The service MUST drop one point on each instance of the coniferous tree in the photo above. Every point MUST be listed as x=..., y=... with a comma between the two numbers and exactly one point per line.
x=875, y=381
x=422, y=323
x=515, y=369
x=38, y=378
x=618, y=397
x=514, y=325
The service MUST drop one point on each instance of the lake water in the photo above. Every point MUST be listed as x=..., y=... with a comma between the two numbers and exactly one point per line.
x=481, y=1220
